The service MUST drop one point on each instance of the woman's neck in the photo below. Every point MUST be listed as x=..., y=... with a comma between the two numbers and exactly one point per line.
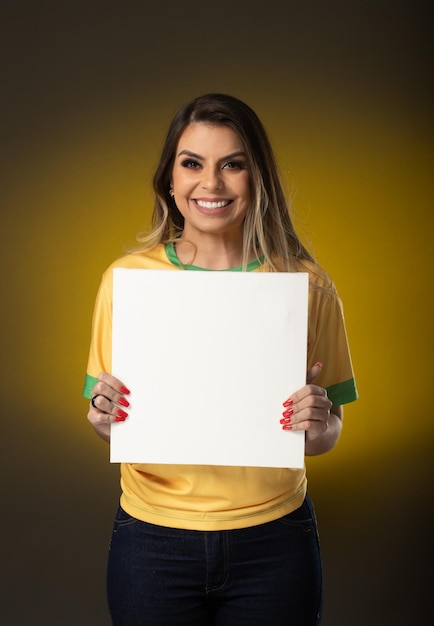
x=212, y=253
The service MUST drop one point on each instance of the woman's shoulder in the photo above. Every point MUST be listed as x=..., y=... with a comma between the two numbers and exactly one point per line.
x=153, y=258
x=319, y=278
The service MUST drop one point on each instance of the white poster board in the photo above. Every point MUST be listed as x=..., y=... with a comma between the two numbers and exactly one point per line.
x=209, y=358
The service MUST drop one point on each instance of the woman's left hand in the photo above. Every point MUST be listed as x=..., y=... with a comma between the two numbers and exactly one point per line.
x=310, y=409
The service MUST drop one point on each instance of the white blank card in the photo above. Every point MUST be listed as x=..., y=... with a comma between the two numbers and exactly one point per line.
x=209, y=358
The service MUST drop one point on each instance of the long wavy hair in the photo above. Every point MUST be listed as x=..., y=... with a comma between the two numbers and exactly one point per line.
x=268, y=229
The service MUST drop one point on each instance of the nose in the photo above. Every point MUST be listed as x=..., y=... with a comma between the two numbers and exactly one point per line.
x=212, y=179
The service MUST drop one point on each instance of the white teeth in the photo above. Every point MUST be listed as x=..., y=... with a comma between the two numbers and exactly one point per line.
x=212, y=205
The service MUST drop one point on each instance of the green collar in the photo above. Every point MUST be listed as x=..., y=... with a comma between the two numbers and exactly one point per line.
x=173, y=258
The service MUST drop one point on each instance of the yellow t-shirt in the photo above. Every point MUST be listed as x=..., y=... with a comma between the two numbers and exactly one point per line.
x=205, y=497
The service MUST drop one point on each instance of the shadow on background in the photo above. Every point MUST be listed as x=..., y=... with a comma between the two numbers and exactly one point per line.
x=345, y=92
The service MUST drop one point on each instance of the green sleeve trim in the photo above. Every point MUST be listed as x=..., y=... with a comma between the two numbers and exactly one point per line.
x=341, y=393
x=89, y=384
x=344, y=392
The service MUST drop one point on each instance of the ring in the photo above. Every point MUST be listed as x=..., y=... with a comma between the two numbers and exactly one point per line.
x=93, y=401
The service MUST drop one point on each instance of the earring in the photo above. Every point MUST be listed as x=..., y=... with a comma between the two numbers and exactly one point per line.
x=171, y=192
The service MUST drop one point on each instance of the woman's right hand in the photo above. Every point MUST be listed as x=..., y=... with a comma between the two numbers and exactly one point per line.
x=108, y=404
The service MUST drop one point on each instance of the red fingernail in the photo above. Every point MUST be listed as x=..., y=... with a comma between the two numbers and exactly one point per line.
x=124, y=390
x=121, y=413
x=120, y=419
x=288, y=402
x=287, y=427
x=123, y=402
x=285, y=420
x=288, y=412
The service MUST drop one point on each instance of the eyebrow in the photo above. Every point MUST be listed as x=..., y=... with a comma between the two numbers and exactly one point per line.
x=201, y=158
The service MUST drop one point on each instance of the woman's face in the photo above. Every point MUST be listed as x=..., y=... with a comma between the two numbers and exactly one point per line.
x=210, y=181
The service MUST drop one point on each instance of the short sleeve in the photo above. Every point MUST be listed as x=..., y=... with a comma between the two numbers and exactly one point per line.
x=100, y=352
x=328, y=343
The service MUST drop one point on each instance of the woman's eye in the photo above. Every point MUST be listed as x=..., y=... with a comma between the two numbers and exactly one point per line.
x=235, y=165
x=190, y=163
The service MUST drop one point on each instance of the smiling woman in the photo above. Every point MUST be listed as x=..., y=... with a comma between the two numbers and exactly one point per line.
x=207, y=544
x=267, y=228
x=210, y=183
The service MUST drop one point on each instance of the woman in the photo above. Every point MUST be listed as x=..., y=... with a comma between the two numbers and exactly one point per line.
x=205, y=545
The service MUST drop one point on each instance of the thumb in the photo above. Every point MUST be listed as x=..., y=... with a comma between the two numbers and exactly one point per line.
x=314, y=372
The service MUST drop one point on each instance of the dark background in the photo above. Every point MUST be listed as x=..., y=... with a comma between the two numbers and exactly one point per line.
x=87, y=90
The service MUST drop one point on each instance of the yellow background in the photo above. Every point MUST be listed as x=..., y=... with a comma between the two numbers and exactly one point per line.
x=344, y=91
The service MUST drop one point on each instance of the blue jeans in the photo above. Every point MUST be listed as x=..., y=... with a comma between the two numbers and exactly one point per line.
x=266, y=575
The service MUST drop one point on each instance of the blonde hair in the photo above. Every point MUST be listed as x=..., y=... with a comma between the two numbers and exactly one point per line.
x=268, y=229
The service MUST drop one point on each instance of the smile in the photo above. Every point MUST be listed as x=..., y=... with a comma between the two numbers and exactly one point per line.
x=212, y=205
